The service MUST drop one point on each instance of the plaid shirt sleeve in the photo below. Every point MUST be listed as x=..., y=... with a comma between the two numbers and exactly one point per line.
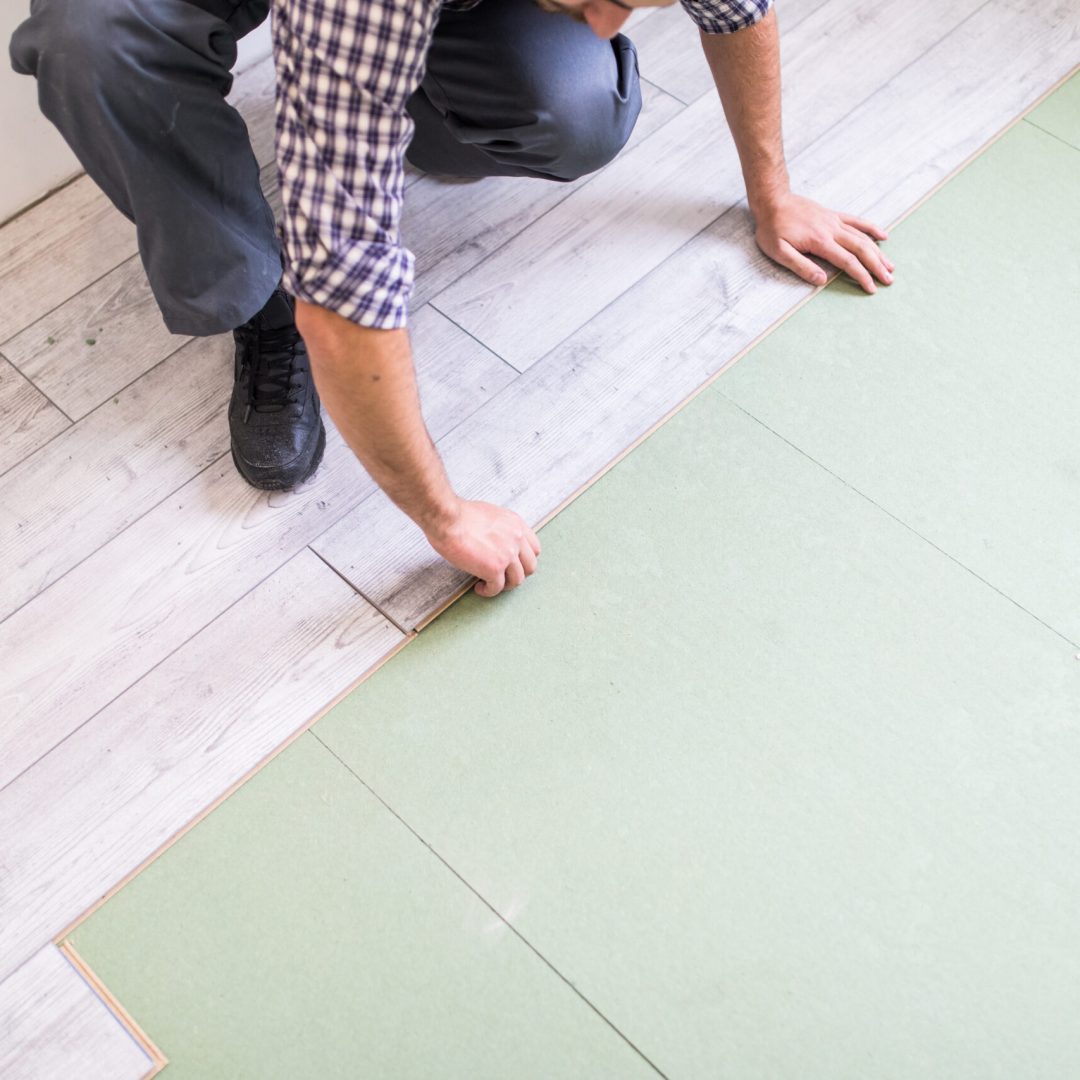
x=726, y=16
x=345, y=69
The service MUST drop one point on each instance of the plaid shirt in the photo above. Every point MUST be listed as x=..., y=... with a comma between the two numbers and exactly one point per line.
x=345, y=69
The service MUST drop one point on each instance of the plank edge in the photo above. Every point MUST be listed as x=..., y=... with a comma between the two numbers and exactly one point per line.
x=60, y=939
x=157, y=1059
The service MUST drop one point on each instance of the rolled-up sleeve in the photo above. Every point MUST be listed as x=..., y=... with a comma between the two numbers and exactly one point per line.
x=345, y=69
x=726, y=16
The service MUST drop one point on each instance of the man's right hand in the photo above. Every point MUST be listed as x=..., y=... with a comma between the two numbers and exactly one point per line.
x=367, y=383
x=489, y=542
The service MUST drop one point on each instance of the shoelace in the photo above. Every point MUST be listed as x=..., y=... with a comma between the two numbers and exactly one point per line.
x=270, y=380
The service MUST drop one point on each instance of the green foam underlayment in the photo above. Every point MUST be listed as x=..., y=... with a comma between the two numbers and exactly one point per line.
x=774, y=763
x=1060, y=113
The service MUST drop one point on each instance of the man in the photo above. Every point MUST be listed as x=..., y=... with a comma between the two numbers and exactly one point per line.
x=543, y=88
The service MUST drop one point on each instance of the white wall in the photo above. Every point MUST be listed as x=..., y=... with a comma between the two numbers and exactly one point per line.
x=35, y=158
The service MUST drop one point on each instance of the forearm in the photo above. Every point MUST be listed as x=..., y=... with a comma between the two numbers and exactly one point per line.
x=367, y=383
x=746, y=68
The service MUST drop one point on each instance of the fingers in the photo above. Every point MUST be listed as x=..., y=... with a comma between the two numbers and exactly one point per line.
x=862, y=225
x=799, y=264
x=844, y=260
x=492, y=587
x=867, y=252
x=528, y=560
x=521, y=564
x=515, y=574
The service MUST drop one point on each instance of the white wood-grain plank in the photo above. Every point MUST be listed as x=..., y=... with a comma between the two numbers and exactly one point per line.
x=165, y=577
x=97, y=342
x=175, y=742
x=29, y=418
x=585, y=402
x=100, y=475
x=53, y=1026
x=451, y=227
x=560, y=271
x=57, y=248
x=670, y=55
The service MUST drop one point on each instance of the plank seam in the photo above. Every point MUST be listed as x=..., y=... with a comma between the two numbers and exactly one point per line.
x=15, y=367
x=367, y=599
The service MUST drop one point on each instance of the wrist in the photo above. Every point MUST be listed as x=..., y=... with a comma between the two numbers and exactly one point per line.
x=765, y=199
x=441, y=516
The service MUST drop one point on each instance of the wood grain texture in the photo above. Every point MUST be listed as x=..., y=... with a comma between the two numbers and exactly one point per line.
x=57, y=248
x=175, y=569
x=452, y=227
x=574, y=412
x=580, y=256
x=119, y=314
x=669, y=52
x=102, y=474
x=173, y=743
x=30, y=419
x=53, y=1025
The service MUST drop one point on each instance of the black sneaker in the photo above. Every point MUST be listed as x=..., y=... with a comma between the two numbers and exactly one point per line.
x=277, y=431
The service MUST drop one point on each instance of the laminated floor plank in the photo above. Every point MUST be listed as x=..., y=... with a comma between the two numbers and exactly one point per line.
x=55, y=1027
x=30, y=419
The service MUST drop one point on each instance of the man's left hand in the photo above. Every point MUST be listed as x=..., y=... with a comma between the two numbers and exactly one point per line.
x=791, y=227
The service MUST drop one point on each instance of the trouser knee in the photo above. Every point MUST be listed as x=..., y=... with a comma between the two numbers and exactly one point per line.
x=137, y=88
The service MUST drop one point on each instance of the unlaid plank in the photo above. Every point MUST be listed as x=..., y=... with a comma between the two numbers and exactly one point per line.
x=556, y=274
x=29, y=418
x=451, y=227
x=175, y=742
x=53, y=1026
x=57, y=248
x=589, y=399
x=142, y=595
x=93, y=480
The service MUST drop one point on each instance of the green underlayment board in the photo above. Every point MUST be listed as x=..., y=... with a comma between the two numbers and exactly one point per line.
x=772, y=778
x=951, y=399
x=1060, y=113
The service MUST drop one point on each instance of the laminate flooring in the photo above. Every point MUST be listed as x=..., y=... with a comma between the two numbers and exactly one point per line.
x=164, y=628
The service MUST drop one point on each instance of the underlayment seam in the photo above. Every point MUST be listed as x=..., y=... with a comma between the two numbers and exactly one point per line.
x=900, y=521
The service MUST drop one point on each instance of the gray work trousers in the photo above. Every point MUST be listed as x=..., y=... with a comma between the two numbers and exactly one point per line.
x=509, y=90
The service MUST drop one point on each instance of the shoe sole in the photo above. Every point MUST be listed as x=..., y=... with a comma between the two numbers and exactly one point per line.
x=284, y=485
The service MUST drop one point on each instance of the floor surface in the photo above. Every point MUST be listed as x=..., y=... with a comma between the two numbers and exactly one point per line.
x=769, y=772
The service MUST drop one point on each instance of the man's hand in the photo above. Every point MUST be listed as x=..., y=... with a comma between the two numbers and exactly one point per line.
x=790, y=227
x=367, y=383
x=488, y=542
